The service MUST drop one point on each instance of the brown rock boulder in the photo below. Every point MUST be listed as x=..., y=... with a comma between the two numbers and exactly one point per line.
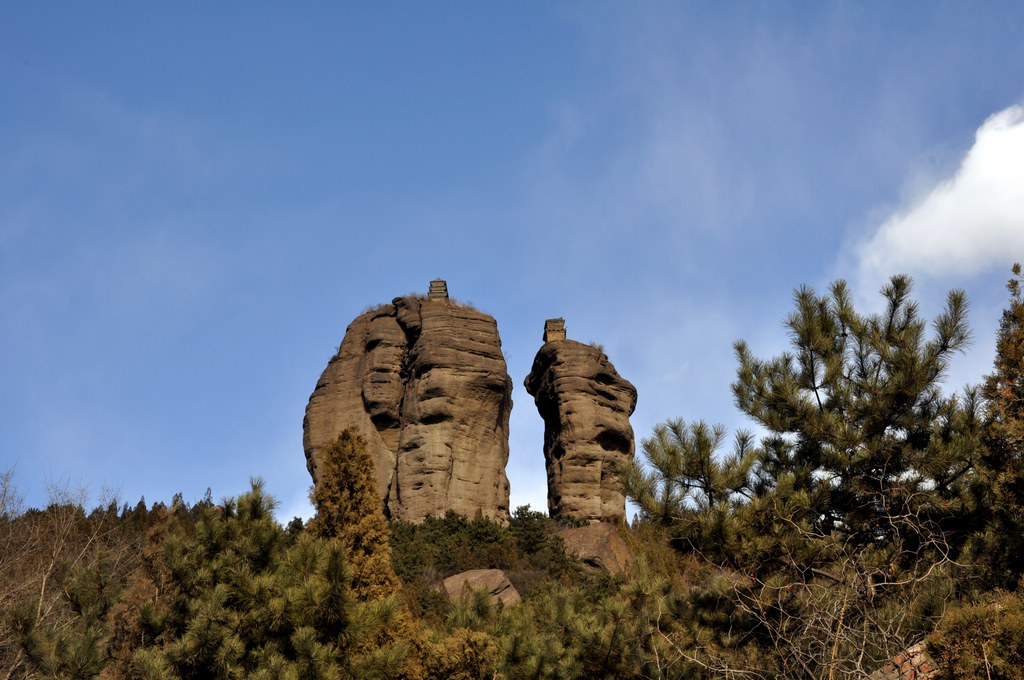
x=587, y=436
x=425, y=383
x=494, y=580
x=599, y=546
x=913, y=663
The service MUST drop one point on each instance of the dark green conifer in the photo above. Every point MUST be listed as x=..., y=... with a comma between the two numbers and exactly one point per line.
x=843, y=527
x=1000, y=548
x=246, y=600
x=861, y=443
x=688, y=489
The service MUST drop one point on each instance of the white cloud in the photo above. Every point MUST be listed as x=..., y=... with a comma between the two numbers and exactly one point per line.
x=965, y=223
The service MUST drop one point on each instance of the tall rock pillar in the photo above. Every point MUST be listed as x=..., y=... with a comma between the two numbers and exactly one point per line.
x=586, y=406
x=424, y=381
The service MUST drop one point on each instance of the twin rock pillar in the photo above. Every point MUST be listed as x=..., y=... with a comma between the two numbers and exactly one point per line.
x=424, y=381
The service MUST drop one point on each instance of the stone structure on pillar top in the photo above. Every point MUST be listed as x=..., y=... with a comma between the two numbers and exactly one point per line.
x=554, y=329
x=438, y=290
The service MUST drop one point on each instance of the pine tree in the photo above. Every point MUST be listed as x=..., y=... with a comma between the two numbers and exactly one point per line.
x=245, y=600
x=688, y=489
x=349, y=512
x=861, y=443
x=1000, y=550
x=62, y=573
x=839, y=531
x=348, y=508
x=863, y=491
x=1004, y=389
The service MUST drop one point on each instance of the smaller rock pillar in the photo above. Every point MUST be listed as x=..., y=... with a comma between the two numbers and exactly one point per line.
x=586, y=406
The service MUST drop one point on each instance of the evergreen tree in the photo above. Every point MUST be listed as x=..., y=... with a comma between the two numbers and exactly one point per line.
x=349, y=511
x=348, y=508
x=62, y=574
x=818, y=551
x=688, y=489
x=983, y=639
x=1000, y=550
x=245, y=601
x=861, y=444
x=74, y=650
x=864, y=487
x=1004, y=389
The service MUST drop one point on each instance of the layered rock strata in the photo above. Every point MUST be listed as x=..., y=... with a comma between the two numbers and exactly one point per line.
x=586, y=406
x=425, y=383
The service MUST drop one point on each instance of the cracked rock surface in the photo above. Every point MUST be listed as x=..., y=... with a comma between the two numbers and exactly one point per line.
x=425, y=384
x=586, y=406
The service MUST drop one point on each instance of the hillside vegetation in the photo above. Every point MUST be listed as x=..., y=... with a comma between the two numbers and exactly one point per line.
x=875, y=512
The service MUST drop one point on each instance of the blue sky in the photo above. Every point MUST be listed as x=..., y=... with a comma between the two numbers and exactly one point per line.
x=196, y=199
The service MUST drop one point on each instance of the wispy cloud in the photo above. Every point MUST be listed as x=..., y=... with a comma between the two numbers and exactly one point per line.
x=965, y=223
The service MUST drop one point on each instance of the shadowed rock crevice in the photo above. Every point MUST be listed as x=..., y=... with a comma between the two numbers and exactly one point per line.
x=612, y=440
x=425, y=383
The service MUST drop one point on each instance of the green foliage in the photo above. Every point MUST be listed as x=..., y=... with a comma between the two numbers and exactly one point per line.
x=474, y=610
x=585, y=632
x=983, y=640
x=873, y=512
x=73, y=653
x=63, y=572
x=439, y=547
x=74, y=650
x=861, y=444
x=463, y=655
x=540, y=553
x=348, y=508
x=425, y=554
x=999, y=550
x=825, y=548
x=688, y=488
x=246, y=600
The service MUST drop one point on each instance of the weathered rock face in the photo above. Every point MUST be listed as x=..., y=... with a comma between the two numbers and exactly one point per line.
x=598, y=546
x=587, y=436
x=425, y=383
x=495, y=581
